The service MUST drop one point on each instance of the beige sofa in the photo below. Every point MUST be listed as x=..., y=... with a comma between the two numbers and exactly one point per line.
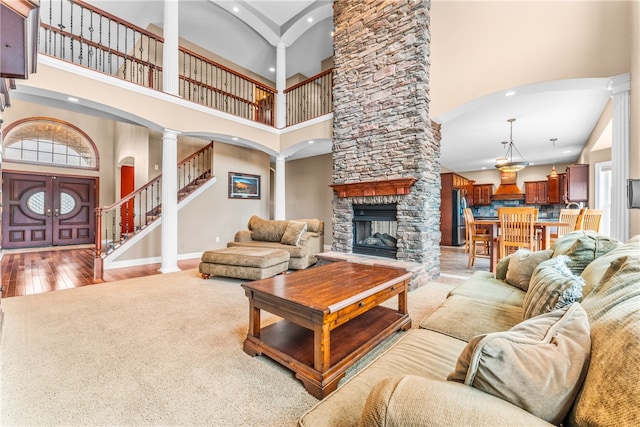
x=525, y=348
x=302, y=238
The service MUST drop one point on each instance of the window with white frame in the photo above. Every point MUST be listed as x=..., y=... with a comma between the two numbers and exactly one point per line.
x=49, y=141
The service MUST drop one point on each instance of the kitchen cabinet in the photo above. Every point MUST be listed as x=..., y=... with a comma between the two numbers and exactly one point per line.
x=577, y=183
x=535, y=192
x=555, y=189
x=482, y=194
x=469, y=189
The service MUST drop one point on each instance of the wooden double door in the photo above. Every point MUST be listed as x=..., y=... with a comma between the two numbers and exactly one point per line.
x=43, y=210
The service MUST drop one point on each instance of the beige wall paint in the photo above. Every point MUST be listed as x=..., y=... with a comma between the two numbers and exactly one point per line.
x=308, y=194
x=100, y=131
x=212, y=214
x=480, y=47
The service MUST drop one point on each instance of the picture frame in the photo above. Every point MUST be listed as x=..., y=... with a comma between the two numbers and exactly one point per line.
x=244, y=186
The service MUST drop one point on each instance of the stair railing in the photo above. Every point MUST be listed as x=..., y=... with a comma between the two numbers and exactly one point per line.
x=119, y=222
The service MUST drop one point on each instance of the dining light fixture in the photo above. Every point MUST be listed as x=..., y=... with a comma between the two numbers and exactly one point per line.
x=554, y=173
x=506, y=163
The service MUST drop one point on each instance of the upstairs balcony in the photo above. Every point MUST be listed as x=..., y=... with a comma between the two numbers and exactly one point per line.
x=84, y=35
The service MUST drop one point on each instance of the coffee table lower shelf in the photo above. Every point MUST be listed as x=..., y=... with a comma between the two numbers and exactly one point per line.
x=291, y=345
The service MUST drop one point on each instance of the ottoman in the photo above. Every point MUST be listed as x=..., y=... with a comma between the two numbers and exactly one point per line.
x=244, y=263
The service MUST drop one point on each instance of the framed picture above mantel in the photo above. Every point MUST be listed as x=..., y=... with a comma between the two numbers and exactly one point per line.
x=244, y=186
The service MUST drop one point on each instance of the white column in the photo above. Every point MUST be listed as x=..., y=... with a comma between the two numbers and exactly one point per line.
x=279, y=204
x=170, y=50
x=281, y=85
x=169, y=215
x=620, y=87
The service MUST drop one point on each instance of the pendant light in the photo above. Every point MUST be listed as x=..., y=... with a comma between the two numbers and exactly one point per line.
x=506, y=163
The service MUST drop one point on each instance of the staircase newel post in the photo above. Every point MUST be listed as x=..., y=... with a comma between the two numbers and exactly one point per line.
x=97, y=261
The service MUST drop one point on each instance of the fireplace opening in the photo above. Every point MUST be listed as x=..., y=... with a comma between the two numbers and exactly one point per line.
x=375, y=230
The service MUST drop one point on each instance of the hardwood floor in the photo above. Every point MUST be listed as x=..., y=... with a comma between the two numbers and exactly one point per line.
x=26, y=273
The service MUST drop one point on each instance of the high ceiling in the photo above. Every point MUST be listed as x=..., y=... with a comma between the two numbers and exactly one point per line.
x=247, y=33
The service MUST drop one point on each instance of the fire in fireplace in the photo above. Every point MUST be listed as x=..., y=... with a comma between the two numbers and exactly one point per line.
x=375, y=230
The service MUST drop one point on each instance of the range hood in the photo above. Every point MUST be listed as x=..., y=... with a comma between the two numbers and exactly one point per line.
x=508, y=189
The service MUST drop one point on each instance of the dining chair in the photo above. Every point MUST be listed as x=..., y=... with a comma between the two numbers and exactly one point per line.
x=467, y=242
x=591, y=219
x=567, y=216
x=478, y=238
x=517, y=229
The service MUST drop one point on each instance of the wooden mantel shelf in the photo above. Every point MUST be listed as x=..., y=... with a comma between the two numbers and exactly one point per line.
x=388, y=187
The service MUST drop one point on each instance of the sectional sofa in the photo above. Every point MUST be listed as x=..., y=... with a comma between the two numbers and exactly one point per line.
x=553, y=338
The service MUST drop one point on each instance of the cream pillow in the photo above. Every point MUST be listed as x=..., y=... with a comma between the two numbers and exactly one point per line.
x=293, y=233
x=552, y=286
x=523, y=263
x=538, y=365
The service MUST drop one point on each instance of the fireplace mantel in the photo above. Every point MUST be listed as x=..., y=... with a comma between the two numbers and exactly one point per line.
x=374, y=188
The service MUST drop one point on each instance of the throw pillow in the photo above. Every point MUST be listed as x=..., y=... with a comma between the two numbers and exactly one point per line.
x=266, y=230
x=582, y=247
x=523, y=263
x=538, y=365
x=502, y=266
x=293, y=233
x=552, y=286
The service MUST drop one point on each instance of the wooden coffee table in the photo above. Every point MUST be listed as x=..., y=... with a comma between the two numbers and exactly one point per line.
x=331, y=317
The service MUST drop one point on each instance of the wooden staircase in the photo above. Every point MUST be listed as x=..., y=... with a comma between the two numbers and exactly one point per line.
x=120, y=222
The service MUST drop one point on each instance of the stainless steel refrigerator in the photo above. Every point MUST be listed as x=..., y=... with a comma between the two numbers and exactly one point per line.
x=458, y=225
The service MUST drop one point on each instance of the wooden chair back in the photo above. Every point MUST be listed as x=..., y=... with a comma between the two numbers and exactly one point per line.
x=592, y=219
x=475, y=236
x=468, y=223
x=517, y=229
x=580, y=218
x=569, y=216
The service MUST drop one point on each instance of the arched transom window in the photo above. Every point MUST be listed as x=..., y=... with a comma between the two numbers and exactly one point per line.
x=42, y=140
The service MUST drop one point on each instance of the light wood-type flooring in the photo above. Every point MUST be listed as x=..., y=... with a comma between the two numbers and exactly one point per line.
x=25, y=273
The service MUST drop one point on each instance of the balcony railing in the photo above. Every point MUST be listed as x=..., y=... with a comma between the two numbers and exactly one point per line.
x=80, y=33
x=310, y=98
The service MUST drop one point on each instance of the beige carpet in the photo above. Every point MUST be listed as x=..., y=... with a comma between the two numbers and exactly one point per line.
x=159, y=350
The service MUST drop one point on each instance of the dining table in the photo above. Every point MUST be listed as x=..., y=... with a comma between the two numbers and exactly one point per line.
x=493, y=225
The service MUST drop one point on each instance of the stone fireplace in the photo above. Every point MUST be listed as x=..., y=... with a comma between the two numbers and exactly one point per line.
x=386, y=150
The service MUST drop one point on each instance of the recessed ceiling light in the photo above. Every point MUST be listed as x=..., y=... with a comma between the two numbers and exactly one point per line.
x=235, y=9
x=510, y=93
x=309, y=19
x=272, y=69
x=72, y=99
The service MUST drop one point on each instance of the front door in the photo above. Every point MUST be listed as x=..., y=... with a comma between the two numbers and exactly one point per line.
x=41, y=210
